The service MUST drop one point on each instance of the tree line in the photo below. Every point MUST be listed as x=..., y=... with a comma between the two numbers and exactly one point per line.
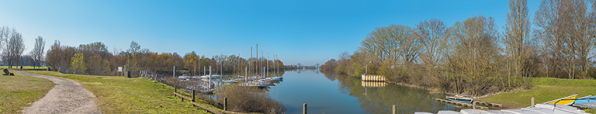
x=473, y=57
x=13, y=48
x=95, y=59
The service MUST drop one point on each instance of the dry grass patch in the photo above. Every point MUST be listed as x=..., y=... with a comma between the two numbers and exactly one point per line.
x=21, y=91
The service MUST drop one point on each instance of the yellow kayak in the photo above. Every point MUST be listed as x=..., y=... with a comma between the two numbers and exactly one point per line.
x=563, y=101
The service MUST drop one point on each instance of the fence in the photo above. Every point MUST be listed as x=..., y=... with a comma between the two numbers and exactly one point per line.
x=68, y=71
x=192, y=101
x=184, y=87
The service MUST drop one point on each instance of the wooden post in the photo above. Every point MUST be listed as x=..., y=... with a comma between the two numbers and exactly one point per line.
x=473, y=105
x=304, y=108
x=532, y=101
x=193, y=95
x=225, y=104
x=174, y=73
x=393, y=109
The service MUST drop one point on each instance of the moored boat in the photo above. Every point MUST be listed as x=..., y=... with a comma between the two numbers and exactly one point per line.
x=212, y=76
x=563, y=101
x=460, y=98
x=586, y=99
x=255, y=84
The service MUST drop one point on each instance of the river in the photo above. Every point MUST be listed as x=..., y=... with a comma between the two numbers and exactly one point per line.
x=336, y=94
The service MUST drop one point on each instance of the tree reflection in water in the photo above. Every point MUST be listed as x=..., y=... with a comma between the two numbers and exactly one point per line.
x=378, y=98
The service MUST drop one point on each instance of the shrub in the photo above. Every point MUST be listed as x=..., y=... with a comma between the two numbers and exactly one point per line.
x=249, y=99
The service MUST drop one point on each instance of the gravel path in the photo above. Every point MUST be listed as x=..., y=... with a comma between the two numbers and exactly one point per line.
x=67, y=96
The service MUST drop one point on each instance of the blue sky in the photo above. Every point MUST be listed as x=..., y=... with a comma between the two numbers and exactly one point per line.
x=298, y=31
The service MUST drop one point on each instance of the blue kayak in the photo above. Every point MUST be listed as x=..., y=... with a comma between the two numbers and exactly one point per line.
x=585, y=100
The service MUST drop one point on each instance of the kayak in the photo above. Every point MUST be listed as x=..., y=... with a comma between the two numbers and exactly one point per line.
x=563, y=101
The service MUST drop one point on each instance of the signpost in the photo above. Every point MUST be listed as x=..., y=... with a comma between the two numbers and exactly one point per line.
x=119, y=70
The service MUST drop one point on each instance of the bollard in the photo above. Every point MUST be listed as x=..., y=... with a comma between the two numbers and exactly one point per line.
x=304, y=108
x=175, y=87
x=532, y=101
x=225, y=104
x=393, y=109
x=193, y=95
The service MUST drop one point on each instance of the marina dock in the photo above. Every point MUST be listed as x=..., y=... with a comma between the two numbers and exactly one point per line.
x=462, y=104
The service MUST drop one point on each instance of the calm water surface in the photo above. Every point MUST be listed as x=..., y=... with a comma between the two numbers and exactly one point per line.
x=335, y=94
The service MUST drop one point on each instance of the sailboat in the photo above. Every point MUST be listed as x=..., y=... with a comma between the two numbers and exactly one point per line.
x=212, y=76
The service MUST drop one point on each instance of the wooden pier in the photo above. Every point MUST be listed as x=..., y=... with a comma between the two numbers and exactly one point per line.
x=376, y=78
x=489, y=104
x=462, y=104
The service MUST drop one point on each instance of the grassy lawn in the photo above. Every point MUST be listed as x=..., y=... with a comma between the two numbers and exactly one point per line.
x=24, y=68
x=19, y=91
x=118, y=94
x=545, y=89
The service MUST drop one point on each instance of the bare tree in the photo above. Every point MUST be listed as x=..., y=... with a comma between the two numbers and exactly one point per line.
x=517, y=39
x=134, y=47
x=14, y=48
x=394, y=42
x=132, y=59
x=4, y=34
x=565, y=27
x=432, y=35
x=37, y=52
x=475, y=57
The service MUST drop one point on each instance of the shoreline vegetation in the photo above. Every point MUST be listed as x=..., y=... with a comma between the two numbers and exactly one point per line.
x=20, y=91
x=95, y=59
x=544, y=89
x=473, y=57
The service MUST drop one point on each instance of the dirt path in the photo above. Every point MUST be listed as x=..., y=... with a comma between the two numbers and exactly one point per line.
x=67, y=96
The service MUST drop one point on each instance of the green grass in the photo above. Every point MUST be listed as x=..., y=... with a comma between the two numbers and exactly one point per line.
x=117, y=94
x=24, y=68
x=21, y=91
x=564, y=82
x=545, y=89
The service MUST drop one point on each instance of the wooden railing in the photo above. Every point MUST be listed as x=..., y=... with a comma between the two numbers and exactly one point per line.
x=192, y=101
x=196, y=104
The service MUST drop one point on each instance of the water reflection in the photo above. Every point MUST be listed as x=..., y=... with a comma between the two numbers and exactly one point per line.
x=379, y=97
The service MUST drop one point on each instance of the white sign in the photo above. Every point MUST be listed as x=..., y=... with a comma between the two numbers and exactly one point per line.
x=119, y=69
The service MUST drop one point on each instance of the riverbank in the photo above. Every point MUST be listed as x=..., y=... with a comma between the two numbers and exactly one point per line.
x=20, y=91
x=545, y=89
x=116, y=94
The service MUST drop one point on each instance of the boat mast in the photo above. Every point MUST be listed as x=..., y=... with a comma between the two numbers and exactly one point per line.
x=249, y=62
x=276, y=66
x=221, y=64
x=209, y=86
x=267, y=70
x=257, y=60
x=261, y=63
